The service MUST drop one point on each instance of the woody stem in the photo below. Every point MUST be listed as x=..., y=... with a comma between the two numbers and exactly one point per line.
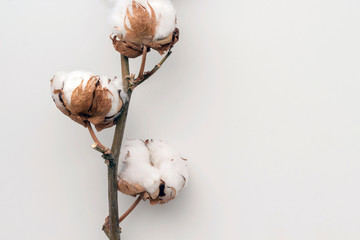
x=130, y=209
x=114, y=230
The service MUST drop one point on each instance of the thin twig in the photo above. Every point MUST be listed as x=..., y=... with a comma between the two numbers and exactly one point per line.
x=148, y=74
x=106, y=154
x=99, y=146
x=130, y=209
x=143, y=61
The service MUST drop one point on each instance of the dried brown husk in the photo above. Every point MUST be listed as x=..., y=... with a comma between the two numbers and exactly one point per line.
x=62, y=107
x=165, y=44
x=129, y=189
x=158, y=197
x=90, y=103
x=133, y=49
x=142, y=25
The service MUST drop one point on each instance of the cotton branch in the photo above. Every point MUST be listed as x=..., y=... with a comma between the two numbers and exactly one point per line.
x=89, y=103
x=111, y=227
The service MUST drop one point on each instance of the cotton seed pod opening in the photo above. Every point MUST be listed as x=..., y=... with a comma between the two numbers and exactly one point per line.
x=84, y=96
x=143, y=23
x=151, y=169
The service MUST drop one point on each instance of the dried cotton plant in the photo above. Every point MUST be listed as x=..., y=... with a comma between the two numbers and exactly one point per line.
x=150, y=169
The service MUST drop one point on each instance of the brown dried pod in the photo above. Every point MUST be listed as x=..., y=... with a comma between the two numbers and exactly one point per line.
x=135, y=49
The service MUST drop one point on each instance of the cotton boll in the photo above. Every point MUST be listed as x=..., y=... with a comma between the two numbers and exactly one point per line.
x=143, y=23
x=84, y=97
x=154, y=166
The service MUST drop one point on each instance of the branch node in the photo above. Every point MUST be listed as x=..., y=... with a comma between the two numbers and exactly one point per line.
x=106, y=227
x=106, y=153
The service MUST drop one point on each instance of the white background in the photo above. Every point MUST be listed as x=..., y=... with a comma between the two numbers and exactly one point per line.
x=261, y=96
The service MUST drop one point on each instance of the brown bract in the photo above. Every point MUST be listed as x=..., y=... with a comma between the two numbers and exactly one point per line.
x=134, y=49
x=141, y=33
x=88, y=103
x=142, y=24
x=159, y=197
